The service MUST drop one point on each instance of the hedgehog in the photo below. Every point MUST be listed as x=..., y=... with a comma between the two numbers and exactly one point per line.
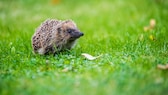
x=54, y=36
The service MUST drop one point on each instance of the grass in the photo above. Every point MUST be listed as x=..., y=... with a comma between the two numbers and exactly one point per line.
x=113, y=28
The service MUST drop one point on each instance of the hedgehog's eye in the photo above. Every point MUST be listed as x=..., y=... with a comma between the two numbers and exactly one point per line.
x=69, y=30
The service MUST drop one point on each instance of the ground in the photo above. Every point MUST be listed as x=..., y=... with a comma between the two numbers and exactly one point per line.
x=112, y=28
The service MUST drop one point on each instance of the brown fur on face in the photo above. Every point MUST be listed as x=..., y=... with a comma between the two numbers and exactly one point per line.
x=54, y=36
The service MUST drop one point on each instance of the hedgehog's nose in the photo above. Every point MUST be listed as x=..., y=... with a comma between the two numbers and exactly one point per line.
x=81, y=34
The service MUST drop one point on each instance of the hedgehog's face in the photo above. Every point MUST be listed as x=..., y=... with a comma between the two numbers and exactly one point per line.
x=70, y=31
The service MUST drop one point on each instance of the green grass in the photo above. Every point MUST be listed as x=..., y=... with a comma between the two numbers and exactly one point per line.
x=112, y=28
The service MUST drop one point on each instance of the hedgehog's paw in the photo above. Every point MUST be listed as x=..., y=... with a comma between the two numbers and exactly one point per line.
x=41, y=51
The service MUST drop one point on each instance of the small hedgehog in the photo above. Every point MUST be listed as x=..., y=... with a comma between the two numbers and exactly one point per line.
x=54, y=36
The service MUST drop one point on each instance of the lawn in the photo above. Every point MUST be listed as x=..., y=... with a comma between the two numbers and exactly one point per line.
x=112, y=28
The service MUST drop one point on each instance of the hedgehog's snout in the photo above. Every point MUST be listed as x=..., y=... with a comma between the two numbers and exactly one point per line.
x=81, y=34
x=78, y=34
x=75, y=35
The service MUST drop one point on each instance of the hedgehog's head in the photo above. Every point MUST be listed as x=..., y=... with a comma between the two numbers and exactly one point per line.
x=69, y=31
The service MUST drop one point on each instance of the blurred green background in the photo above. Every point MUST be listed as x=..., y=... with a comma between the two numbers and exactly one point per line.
x=112, y=28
